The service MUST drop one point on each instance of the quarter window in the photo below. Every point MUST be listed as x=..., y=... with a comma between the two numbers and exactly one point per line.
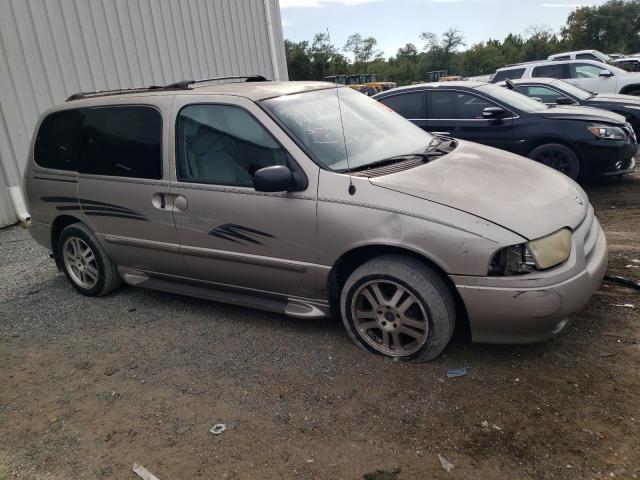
x=409, y=105
x=223, y=144
x=122, y=141
x=58, y=140
x=457, y=105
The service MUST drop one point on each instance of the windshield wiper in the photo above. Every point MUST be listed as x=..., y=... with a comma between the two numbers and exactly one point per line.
x=425, y=156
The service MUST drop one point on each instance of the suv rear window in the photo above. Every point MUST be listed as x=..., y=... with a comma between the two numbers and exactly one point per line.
x=58, y=140
x=409, y=105
x=122, y=141
x=513, y=74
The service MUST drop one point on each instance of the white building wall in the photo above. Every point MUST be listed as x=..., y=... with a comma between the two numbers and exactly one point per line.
x=50, y=49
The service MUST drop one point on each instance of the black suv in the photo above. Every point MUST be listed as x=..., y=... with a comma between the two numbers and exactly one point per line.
x=578, y=141
x=552, y=91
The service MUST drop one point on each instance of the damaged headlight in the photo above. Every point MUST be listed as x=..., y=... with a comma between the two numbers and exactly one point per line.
x=539, y=254
x=610, y=133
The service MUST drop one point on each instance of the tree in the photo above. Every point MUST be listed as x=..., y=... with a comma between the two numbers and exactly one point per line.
x=611, y=27
x=321, y=52
x=364, y=50
x=298, y=60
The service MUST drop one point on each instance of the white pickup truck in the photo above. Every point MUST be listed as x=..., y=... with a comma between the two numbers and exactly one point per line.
x=590, y=75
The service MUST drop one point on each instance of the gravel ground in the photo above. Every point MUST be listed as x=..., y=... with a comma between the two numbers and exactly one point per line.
x=90, y=386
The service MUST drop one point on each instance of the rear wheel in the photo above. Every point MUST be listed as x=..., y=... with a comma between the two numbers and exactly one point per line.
x=559, y=157
x=398, y=307
x=85, y=263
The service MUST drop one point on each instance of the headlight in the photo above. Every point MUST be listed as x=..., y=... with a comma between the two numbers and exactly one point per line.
x=610, y=133
x=539, y=254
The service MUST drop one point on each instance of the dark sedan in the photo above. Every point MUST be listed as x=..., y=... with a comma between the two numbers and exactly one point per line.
x=578, y=141
x=552, y=91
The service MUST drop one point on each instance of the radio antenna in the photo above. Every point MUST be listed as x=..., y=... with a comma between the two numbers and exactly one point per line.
x=352, y=187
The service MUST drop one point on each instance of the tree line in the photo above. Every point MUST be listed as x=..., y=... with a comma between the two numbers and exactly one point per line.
x=611, y=27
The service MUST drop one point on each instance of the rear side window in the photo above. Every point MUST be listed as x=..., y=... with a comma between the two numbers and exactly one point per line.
x=452, y=105
x=409, y=105
x=58, y=140
x=513, y=74
x=123, y=141
x=551, y=71
x=586, y=56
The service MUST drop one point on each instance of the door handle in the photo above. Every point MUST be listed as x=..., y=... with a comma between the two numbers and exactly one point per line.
x=169, y=201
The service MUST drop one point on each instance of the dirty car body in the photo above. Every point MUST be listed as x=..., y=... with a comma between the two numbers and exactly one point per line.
x=515, y=245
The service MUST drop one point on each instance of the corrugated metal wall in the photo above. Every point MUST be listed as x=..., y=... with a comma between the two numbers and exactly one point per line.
x=50, y=49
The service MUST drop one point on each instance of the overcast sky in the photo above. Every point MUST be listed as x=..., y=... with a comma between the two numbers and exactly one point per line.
x=397, y=22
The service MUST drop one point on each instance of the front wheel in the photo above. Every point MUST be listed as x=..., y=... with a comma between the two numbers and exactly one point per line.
x=558, y=157
x=398, y=307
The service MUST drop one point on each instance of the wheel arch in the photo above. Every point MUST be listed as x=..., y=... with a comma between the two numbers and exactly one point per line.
x=630, y=88
x=58, y=225
x=355, y=257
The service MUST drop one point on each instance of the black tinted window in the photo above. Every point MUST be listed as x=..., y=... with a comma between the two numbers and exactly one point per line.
x=223, y=144
x=457, y=105
x=409, y=105
x=58, y=140
x=551, y=71
x=122, y=141
x=513, y=74
x=586, y=56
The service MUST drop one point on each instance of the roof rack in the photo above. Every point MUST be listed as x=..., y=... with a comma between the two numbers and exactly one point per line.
x=181, y=85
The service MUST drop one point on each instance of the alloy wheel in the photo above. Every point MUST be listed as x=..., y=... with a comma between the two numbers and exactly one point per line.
x=80, y=262
x=390, y=318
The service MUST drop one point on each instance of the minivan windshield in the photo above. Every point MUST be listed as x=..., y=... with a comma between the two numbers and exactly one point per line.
x=512, y=99
x=334, y=122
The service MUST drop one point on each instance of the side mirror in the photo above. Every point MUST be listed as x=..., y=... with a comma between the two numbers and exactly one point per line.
x=276, y=178
x=565, y=101
x=493, y=112
x=606, y=73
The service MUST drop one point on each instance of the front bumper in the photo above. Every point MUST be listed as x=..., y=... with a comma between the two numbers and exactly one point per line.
x=610, y=157
x=526, y=310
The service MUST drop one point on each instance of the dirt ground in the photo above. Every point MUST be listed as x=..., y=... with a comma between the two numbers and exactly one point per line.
x=90, y=386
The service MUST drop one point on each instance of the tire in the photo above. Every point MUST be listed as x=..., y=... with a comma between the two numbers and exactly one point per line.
x=92, y=273
x=411, y=297
x=634, y=92
x=558, y=157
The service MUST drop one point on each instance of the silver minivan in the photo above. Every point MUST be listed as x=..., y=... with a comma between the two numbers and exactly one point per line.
x=310, y=199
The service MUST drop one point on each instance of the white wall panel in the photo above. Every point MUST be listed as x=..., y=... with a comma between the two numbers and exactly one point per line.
x=50, y=49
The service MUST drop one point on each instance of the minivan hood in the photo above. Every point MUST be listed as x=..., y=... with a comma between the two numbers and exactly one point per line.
x=586, y=114
x=508, y=190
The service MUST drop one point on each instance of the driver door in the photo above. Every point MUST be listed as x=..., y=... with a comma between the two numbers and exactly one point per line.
x=459, y=113
x=229, y=233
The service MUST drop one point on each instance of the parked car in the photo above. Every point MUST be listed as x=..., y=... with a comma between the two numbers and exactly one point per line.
x=558, y=92
x=628, y=64
x=616, y=56
x=579, y=142
x=593, y=76
x=306, y=198
x=582, y=55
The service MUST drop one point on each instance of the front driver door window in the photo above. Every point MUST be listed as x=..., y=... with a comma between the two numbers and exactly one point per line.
x=587, y=76
x=545, y=94
x=230, y=233
x=460, y=114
